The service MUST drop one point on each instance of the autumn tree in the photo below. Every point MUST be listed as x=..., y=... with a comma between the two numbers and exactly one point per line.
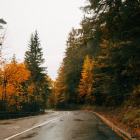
x=85, y=85
x=50, y=96
x=12, y=77
x=61, y=98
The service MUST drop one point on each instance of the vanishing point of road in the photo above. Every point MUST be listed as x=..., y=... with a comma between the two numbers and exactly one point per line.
x=58, y=125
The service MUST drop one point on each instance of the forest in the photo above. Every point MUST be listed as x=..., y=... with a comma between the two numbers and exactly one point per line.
x=101, y=65
x=102, y=62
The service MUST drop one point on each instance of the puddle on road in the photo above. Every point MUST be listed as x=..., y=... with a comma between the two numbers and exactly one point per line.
x=61, y=120
x=29, y=136
x=78, y=120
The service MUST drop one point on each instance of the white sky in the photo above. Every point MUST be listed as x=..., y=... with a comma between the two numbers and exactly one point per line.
x=53, y=19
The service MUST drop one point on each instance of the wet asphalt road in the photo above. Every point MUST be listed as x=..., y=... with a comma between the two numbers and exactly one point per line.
x=78, y=125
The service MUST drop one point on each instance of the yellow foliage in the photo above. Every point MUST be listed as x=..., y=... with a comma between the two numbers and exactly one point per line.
x=12, y=76
x=58, y=95
x=85, y=85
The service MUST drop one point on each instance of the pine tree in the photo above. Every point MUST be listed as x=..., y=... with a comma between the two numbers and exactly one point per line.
x=34, y=60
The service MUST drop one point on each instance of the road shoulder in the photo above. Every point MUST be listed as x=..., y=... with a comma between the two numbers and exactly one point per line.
x=118, y=130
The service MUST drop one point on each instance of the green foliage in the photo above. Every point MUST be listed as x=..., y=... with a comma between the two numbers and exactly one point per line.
x=38, y=79
x=33, y=58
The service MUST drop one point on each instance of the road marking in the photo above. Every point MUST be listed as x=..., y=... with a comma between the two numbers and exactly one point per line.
x=35, y=127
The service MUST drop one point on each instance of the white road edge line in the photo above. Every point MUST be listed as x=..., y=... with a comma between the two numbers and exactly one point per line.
x=35, y=127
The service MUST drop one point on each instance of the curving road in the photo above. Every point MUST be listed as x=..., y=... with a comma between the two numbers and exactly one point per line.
x=72, y=125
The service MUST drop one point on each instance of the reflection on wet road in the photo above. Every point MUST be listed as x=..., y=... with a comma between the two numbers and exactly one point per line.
x=78, y=125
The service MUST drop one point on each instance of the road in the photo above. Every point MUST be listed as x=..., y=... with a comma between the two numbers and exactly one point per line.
x=61, y=125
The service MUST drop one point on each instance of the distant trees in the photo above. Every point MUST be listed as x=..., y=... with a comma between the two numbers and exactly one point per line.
x=58, y=98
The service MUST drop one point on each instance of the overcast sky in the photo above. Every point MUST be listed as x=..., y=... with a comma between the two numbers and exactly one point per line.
x=53, y=19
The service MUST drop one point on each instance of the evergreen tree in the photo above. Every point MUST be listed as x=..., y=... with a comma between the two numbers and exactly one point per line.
x=34, y=60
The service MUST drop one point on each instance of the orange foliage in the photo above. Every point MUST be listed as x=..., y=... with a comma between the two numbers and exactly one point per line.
x=85, y=86
x=12, y=76
x=59, y=88
x=58, y=95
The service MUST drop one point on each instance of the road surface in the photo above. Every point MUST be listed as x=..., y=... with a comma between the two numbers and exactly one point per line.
x=60, y=125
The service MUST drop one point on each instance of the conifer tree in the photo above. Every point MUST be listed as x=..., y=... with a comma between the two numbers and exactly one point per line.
x=34, y=60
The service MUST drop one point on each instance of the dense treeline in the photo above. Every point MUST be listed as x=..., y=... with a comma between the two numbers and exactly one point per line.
x=24, y=86
x=102, y=61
